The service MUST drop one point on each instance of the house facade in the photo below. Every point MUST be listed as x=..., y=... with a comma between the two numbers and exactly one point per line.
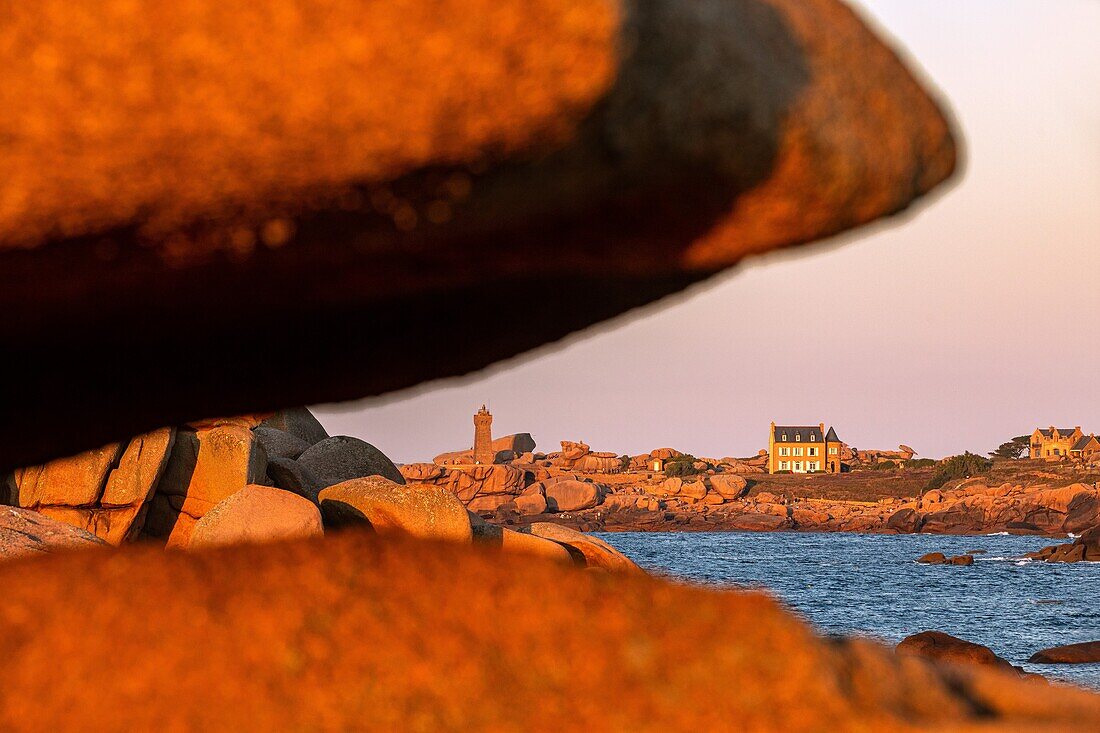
x=1085, y=449
x=804, y=449
x=1054, y=444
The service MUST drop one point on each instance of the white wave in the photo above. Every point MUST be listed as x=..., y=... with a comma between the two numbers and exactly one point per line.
x=998, y=534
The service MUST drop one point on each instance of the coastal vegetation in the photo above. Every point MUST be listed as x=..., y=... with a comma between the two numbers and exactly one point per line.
x=965, y=465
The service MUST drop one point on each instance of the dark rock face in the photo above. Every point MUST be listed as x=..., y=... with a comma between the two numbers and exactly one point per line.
x=298, y=422
x=341, y=458
x=280, y=444
x=289, y=475
x=664, y=143
x=26, y=533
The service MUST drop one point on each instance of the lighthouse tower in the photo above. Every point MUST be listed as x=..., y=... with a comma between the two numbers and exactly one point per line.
x=483, y=437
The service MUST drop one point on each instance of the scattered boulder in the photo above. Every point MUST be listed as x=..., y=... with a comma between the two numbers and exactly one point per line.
x=586, y=550
x=517, y=443
x=941, y=647
x=933, y=558
x=280, y=444
x=1087, y=652
x=292, y=476
x=27, y=533
x=414, y=472
x=693, y=490
x=572, y=496
x=905, y=521
x=299, y=422
x=421, y=510
x=257, y=514
x=342, y=458
x=529, y=504
x=729, y=486
x=961, y=560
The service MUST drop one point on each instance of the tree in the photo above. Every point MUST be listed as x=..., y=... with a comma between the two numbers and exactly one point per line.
x=1012, y=449
x=682, y=465
x=963, y=466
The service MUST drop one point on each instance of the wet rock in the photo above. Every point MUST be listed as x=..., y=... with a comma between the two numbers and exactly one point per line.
x=342, y=458
x=257, y=514
x=961, y=560
x=933, y=558
x=420, y=510
x=942, y=647
x=26, y=533
x=1087, y=652
x=905, y=521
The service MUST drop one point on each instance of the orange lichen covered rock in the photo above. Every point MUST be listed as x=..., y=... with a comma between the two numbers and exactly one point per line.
x=348, y=632
x=420, y=510
x=257, y=514
x=104, y=491
x=946, y=648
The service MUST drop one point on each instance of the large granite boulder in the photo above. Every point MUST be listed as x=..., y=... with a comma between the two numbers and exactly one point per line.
x=420, y=510
x=299, y=422
x=26, y=533
x=292, y=476
x=257, y=514
x=587, y=551
x=104, y=491
x=341, y=458
x=280, y=444
x=572, y=496
x=209, y=462
x=518, y=443
x=729, y=486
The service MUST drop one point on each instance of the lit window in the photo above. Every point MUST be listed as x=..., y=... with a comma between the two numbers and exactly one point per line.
x=797, y=451
x=798, y=436
x=832, y=450
x=813, y=436
x=784, y=451
x=784, y=437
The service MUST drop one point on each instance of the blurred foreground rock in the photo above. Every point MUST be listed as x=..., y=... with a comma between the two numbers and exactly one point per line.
x=317, y=186
x=349, y=632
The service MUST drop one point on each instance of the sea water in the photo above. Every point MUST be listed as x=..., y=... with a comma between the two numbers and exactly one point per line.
x=871, y=585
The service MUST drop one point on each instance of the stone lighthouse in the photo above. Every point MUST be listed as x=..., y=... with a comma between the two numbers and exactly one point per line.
x=483, y=437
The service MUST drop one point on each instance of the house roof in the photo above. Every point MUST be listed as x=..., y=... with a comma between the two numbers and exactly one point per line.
x=803, y=433
x=831, y=437
x=1083, y=442
x=1061, y=431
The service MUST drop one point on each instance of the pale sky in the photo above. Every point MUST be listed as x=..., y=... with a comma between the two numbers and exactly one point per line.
x=970, y=322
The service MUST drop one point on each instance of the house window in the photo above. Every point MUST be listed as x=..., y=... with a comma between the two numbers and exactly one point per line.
x=784, y=465
x=813, y=466
x=797, y=451
x=798, y=437
x=798, y=466
x=813, y=437
x=784, y=451
x=783, y=437
x=832, y=451
x=811, y=451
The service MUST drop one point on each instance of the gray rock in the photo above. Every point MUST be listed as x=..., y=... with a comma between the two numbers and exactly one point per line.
x=289, y=475
x=343, y=458
x=279, y=443
x=299, y=422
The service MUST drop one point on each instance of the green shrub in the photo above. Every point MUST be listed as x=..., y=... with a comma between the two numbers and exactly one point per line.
x=920, y=462
x=681, y=466
x=783, y=471
x=624, y=462
x=956, y=467
x=884, y=466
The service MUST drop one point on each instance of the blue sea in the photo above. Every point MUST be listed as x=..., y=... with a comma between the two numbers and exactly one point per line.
x=871, y=585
